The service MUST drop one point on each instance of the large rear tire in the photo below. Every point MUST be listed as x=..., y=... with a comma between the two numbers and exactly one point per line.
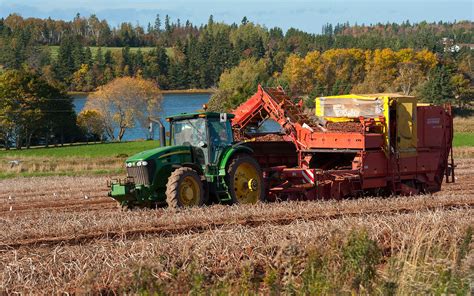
x=245, y=180
x=185, y=189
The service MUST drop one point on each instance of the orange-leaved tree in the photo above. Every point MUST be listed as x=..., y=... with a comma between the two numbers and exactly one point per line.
x=125, y=102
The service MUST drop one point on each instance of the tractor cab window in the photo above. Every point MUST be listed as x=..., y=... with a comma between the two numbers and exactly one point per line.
x=191, y=132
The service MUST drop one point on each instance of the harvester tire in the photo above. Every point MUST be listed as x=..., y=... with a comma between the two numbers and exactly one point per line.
x=125, y=207
x=184, y=189
x=245, y=180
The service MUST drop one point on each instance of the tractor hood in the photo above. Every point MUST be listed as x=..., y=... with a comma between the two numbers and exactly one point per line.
x=160, y=152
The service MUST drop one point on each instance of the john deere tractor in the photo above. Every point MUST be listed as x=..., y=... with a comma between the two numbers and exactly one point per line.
x=202, y=163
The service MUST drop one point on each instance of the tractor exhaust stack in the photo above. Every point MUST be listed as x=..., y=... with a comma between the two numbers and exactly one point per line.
x=162, y=130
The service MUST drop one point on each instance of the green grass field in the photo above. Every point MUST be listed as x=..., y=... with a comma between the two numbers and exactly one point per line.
x=463, y=139
x=70, y=160
x=54, y=50
x=85, y=150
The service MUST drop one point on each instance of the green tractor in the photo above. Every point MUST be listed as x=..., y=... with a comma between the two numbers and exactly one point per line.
x=201, y=165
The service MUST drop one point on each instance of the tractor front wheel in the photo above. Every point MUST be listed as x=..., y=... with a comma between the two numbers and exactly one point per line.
x=184, y=189
x=245, y=180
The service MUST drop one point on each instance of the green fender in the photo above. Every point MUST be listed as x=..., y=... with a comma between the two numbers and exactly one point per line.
x=229, y=154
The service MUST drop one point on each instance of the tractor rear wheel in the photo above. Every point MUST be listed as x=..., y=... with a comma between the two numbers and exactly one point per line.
x=184, y=189
x=245, y=180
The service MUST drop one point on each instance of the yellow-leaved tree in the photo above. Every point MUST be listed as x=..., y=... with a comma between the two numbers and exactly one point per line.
x=413, y=68
x=381, y=71
x=125, y=102
x=340, y=69
x=92, y=122
x=300, y=73
x=394, y=71
x=344, y=67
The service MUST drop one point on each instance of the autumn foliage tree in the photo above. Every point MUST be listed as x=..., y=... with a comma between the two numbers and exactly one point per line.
x=301, y=72
x=124, y=103
x=338, y=71
x=237, y=84
x=31, y=108
x=330, y=72
x=92, y=123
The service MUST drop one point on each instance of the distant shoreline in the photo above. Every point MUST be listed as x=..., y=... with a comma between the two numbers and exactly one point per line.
x=169, y=91
x=188, y=91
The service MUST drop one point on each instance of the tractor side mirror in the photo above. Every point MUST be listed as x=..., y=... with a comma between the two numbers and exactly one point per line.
x=201, y=144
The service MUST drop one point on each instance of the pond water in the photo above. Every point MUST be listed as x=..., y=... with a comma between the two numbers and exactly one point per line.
x=172, y=104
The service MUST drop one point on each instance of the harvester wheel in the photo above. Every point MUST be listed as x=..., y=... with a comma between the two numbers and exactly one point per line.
x=184, y=189
x=125, y=207
x=245, y=180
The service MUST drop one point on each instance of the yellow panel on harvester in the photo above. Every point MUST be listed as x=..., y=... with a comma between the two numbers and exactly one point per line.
x=348, y=107
x=406, y=127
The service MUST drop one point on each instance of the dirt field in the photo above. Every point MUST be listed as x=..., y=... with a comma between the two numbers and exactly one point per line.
x=63, y=234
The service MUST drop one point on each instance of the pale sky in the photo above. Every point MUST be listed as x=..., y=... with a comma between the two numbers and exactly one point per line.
x=309, y=16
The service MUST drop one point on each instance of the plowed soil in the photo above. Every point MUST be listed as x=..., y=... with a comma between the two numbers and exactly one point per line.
x=60, y=197
x=40, y=215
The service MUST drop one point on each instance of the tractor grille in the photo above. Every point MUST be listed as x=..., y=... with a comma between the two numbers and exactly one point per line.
x=142, y=175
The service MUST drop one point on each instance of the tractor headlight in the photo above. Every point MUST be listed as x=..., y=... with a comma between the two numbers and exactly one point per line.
x=144, y=163
x=139, y=163
x=129, y=164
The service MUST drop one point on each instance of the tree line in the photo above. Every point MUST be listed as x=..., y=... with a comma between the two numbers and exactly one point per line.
x=431, y=77
x=75, y=54
x=93, y=31
x=42, y=59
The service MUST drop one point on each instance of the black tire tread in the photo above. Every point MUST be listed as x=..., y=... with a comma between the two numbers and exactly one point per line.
x=172, y=186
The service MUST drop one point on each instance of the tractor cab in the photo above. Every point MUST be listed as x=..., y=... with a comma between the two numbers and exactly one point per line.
x=208, y=133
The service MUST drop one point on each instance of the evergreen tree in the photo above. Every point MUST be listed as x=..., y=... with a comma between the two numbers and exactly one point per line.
x=438, y=89
x=138, y=63
x=163, y=60
x=178, y=76
x=78, y=54
x=259, y=48
x=88, y=57
x=99, y=58
x=70, y=58
x=108, y=57
x=126, y=63
x=157, y=24
x=167, y=24
x=210, y=22
x=194, y=62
